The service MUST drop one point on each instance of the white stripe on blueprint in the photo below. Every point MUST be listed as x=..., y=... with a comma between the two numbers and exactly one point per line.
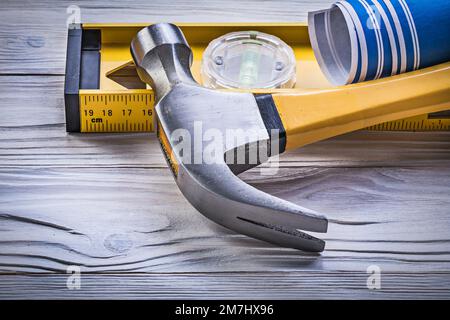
x=380, y=49
x=401, y=38
x=391, y=36
x=412, y=28
x=361, y=37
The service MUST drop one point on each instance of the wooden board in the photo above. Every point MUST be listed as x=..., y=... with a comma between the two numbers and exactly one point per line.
x=280, y=285
x=108, y=203
x=34, y=33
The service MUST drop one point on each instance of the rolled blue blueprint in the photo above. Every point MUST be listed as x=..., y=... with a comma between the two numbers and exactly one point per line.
x=360, y=40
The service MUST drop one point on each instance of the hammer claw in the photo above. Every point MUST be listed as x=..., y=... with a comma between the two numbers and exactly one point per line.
x=222, y=197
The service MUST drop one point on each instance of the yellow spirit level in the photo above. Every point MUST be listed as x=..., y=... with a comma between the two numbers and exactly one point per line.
x=103, y=92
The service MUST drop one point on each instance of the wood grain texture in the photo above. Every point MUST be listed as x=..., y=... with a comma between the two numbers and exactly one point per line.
x=134, y=220
x=108, y=203
x=268, y=285
x=33, y=33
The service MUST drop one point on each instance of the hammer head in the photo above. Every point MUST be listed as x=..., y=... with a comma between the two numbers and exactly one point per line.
x=208, y=136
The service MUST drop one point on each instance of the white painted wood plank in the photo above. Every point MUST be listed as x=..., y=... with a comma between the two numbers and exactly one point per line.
x=293, y=285
x=131, y=219
x=33, y=33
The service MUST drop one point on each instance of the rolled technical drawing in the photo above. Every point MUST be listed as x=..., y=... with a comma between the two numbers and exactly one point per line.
x=360, y=40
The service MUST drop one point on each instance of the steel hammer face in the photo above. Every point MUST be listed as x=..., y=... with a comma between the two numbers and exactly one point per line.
x=208, y=136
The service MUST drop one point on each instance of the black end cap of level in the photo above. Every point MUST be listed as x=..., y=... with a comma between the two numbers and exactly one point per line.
x=82, y=70
x=72, y=80
x=271, y=119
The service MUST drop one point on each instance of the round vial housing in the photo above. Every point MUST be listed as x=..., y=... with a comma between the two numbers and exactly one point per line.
x=248, y=60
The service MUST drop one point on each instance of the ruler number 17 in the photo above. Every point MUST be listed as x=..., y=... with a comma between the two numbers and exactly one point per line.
x=126, y=112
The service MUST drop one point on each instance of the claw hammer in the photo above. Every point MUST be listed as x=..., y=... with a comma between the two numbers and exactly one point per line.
x=283, y=121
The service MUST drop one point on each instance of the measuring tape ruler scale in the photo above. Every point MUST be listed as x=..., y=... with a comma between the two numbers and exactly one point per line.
x=87, y=107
